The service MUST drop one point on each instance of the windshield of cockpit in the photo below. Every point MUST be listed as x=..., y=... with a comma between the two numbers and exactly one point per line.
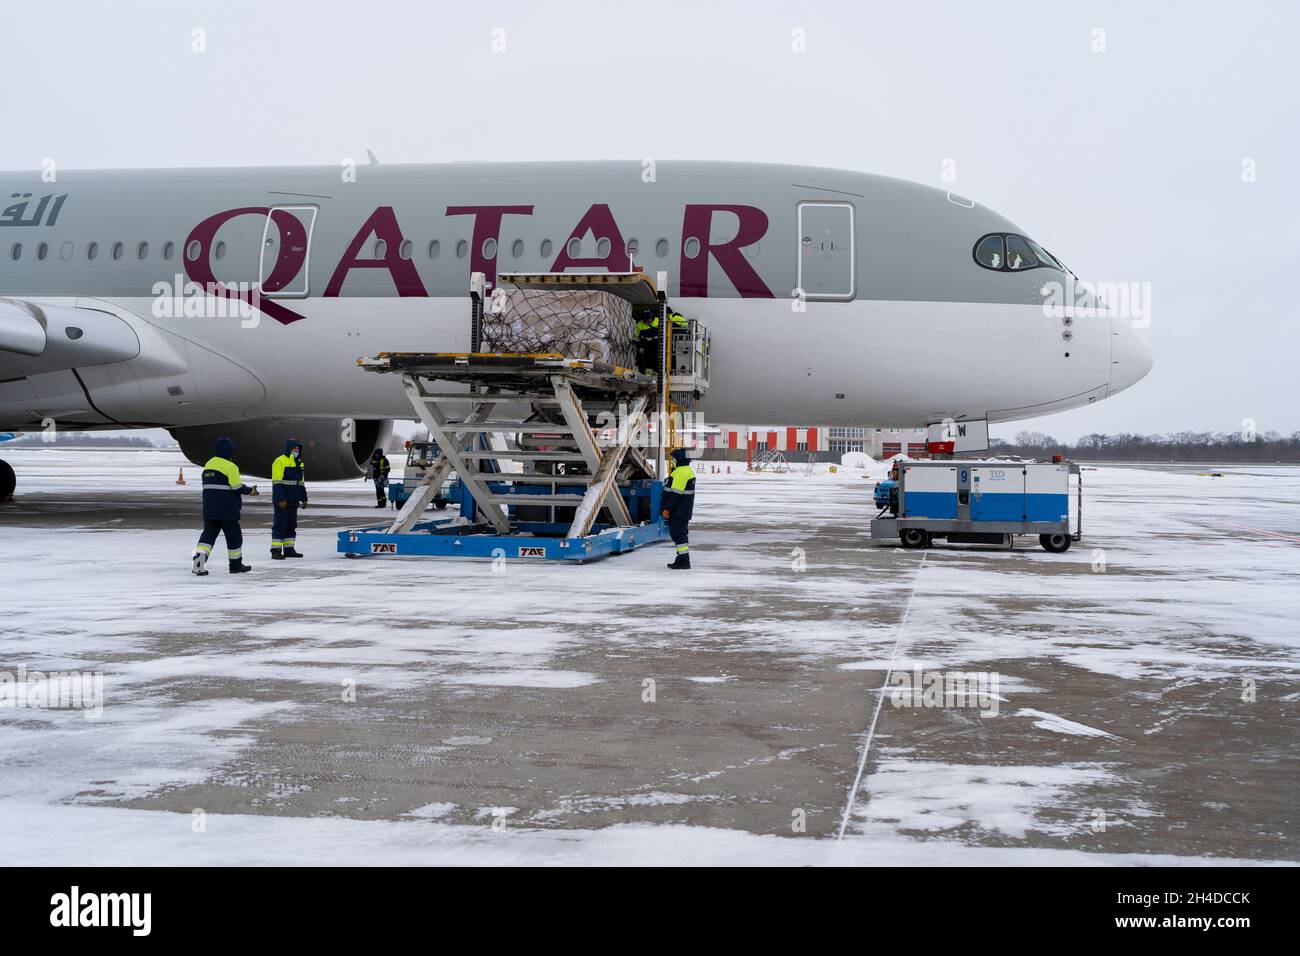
x=1009, y=252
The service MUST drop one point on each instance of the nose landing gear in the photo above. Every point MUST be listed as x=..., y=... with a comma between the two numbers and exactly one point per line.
x=8, y=481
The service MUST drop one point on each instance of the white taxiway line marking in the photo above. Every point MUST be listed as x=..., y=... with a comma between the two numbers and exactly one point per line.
x=880, y=699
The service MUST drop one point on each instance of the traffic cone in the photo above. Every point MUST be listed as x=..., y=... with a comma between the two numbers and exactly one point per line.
x=180, y=477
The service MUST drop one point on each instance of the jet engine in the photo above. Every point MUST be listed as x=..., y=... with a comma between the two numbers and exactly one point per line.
x=332, y=448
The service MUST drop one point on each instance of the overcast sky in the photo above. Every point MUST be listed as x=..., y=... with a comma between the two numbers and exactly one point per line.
x=1127, y=162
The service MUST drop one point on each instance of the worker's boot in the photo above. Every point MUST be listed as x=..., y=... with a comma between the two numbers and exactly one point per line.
x=277, y=554
x=381, y=503
x=291, y=552
x=682, y=563
x=199, y=565
x=239, y=567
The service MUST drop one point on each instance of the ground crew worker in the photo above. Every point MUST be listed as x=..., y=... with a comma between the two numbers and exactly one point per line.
x=648, y=342
x=288, y=493
x=678, y=504
x=223, y=490
x=379, y=469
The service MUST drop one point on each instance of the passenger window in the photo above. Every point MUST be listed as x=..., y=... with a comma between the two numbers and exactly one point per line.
x=633, y=247
x=16, y=252
x=220, y=251
x=169, y=249
x=1019, y=255
x=405, y=249
x=381, y=249
x=119, y=249
x=990, y=252
x=42, y=251
x=602, y=248
x=191, y=251
x=574, y=248
x=547, y=246
x=661, y=248
x=517, y=249
x=462, y=249
x=92, y=250
x=434, y=248
x=142, y=251
x=489, y=248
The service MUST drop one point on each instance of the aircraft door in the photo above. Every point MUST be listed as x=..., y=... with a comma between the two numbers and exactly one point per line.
x=826, y=268
x=284, y=272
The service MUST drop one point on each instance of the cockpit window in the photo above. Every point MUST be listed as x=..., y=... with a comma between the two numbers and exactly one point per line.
x=1044, y=257
x=990, y=252
x=1019, y=255
x=1007, y=252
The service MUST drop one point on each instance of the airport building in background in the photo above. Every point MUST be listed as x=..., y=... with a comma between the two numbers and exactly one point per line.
x=810, y=442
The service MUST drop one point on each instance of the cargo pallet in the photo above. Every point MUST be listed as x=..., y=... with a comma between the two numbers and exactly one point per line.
x=535, y=479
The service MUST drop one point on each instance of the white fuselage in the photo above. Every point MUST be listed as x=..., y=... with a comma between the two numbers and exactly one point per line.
x=909, y=329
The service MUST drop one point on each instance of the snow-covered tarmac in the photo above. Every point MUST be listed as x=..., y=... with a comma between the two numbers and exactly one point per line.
x=385, y=711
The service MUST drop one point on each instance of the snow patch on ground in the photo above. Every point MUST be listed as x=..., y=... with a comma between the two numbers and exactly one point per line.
x=931, y=797
x=1060, y=725
x=91, y=836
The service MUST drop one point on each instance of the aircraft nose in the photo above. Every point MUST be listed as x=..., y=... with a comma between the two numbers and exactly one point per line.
x=1130, y=359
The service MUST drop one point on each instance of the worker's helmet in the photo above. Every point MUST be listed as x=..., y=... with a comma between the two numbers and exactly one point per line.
x=224, y=447
x=680, y=457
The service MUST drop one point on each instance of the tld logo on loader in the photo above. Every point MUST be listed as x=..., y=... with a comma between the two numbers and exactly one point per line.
x=383, y=547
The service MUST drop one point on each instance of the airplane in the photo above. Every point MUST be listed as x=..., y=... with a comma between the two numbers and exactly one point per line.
x=833, y=297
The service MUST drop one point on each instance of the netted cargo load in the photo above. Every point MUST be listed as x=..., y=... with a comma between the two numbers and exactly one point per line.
x=580, y=324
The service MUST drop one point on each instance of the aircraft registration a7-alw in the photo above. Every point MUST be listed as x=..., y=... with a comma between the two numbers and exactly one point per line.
x=832, y=297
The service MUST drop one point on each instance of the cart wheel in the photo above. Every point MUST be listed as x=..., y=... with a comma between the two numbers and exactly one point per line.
x=440, y=504
x=398, y=504
x=1055, y=543
x=913, y=538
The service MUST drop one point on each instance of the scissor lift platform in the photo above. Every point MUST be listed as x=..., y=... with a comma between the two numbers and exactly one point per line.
x=551, y=511
x=536, y=478
x=461, y=537
x=500, y=370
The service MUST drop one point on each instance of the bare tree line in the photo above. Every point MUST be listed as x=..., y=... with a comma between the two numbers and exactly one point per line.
x=1265, y=447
